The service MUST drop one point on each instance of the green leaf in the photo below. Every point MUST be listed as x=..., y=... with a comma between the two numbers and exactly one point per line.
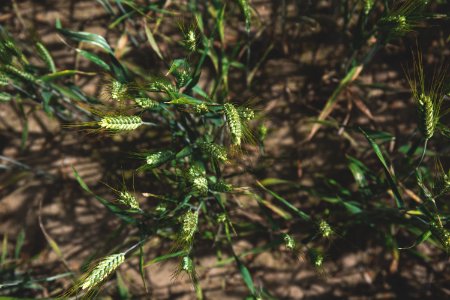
x=398, y=198
x=81, y=36
x=142, y=267
x=122, y=289
x=300, y=213
x=152, y=41
x=46, y=57
x=53, y=76
x=95, y=59
x=19, y=243
x=245, y=6
x=245, y=275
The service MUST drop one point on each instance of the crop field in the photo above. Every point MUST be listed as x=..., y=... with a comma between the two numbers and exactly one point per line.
x=224, y=149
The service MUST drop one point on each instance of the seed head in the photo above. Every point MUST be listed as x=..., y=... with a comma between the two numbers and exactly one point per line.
x=246, y=114
x=120, y=123
x=190, y=40
x=187, y=264
x=221, y=186
x=214, y=151
x=368, y=4
x=200, y=108
x=158, y=158
x=118, y=90
x=102, y=270
x=234, y=123
x=289, y=242
x=316, y=257
x=196, y=177
x=325, y=229
x=427, y=116
x=189, y=223
x=441, y=234
x=128, y=199
x=146, y=103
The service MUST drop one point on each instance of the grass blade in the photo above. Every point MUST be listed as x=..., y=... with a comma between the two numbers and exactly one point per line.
x=397, y=196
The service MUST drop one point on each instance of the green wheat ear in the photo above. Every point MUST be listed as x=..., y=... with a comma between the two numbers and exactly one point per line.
x=189, y=222
x=196, y=177
x=368, y=4
x=402, y=18
x=234, y=123
x=221, y=187
x=101, y=271
x=428, y=97
x=146, y=103
x=156, y=159
x=441, y=234
x=325, y=229
x=120, y=123
x=315, y=257
x=128, y=199
x=289, y=242
x=213, y=151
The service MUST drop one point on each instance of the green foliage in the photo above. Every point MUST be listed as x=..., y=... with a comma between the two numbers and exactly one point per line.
x=199, y=131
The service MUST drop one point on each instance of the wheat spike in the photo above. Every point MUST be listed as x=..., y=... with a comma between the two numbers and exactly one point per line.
x=246, y=114
x=441, y=234
x=234, y=123
x=120, y=123
x=427, y=116
x=118, y=90
x=19, y=73
x=196, y=177
x=221, y=186
x=189, y=223
x=368, y=4
x=128, y=199
x=102, y=270
x=3, y=79
x=146, y=103
x=156, y=159
x=214, y=151
x=316, y=257
x=289, y=242
x=325, y=229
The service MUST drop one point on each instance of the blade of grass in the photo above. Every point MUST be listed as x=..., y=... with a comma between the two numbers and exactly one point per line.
x=397, y=196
